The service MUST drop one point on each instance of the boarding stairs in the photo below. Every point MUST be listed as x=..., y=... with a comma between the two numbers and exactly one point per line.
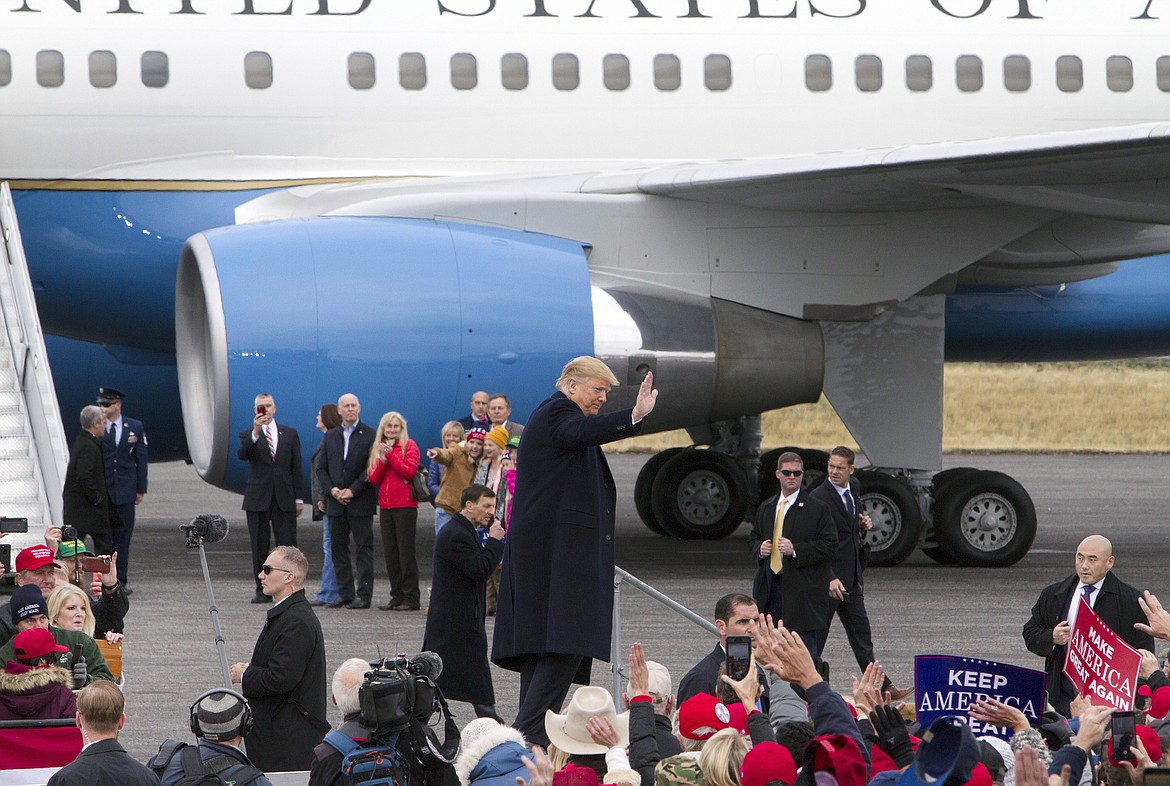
x=33, y=451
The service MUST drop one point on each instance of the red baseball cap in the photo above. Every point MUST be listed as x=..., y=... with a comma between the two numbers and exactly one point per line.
x=1150, y=742
x=767, y=762
x=702, y=715
x=35, y=642
x=35, y=558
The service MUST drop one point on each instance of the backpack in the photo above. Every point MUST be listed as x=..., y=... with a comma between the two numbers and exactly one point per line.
x=377, y=764
x=197, y=772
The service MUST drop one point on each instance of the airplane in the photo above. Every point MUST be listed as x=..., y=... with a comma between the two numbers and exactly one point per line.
x=758, y=200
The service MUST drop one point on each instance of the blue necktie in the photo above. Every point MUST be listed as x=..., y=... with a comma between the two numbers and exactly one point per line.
x=849, y=504
x=1087, y=591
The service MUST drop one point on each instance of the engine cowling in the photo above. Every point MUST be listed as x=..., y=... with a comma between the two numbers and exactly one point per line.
x=416, y=315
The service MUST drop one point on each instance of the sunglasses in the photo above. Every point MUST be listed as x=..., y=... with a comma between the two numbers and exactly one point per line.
x=267, y=569
x=792, y=473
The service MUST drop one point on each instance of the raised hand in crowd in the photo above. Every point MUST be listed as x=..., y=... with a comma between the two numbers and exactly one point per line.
x=867, y=692
x=639, y=671
x=784, y=654
x=997, y=713
x=1030, y=771
x=602, y=732
x=891, y=734
x=540, y=769
x=1078, y=705
x=1148, y=665
x=1158, y=617
x=1093, y=728
x=1141, y=759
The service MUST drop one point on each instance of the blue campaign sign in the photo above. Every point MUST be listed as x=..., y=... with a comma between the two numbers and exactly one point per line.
x=947, y=685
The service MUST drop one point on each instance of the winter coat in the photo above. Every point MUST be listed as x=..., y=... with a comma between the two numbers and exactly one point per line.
x=492, y=759
x=392, y=476
x=28, y=693
x=460, y=470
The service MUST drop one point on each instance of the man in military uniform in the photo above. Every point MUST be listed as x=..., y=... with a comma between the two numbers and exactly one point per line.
x=124, y=451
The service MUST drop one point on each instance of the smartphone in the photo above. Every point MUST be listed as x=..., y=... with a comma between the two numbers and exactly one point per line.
x=739, y=656
x=13, y=525
x=1122, y=727
x=75, y=656
x=1157, y=776
x=96, y=564
x=260, y=410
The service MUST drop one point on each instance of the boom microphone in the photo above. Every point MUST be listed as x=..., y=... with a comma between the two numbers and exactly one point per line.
x=205, y=528
x=427, y=664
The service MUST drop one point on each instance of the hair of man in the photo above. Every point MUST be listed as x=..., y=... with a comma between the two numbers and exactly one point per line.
x=584, y=368
x=100, y=704
x=725, y=606
x=298, y=565
x=347, y=682
x=91, y=415
x=845, y=453
x=474, y=493
x=788, y=457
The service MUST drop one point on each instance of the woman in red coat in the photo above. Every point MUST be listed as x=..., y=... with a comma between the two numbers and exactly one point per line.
x=393, y=462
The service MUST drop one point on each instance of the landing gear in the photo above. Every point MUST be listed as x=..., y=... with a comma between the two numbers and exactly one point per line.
x=984, y=519
x=897, y=521
x=699, y=494
x=644, y=487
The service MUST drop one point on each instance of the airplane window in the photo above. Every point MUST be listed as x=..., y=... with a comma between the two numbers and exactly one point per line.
x=667, y=72
x=50, y=68
x=103, y=69
x=1070, y=74
x=258, y=70
x=969, y=73
x=514, y=71
x=566, y=71
x=919, y=73
x=818, y=73
x=156, y=69
x=868, y=73
x=717, y=72
x=412, y=71
x=1017, y=73
x=615, y=71
x=1119, y=74
x=361, y=70
x=5, y=67
x=463, y=71
x=1163, y=74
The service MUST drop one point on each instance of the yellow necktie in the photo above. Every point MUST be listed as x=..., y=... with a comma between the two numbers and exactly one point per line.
x=778, y=532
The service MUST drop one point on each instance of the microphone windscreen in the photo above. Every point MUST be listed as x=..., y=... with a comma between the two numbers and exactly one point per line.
x=433, y=661
x=211, y=526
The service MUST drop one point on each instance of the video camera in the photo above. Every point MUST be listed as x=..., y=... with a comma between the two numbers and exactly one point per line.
x=398, y=689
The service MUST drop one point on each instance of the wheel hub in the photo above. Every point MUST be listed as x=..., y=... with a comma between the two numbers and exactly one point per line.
x=703, y=497
x=887, y=520
x=988, y=522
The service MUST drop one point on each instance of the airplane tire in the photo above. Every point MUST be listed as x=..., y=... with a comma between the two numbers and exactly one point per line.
x=700, y=495
x=897, y=521
x=816, y=467
x=644, y=486
x=984, y=519
x=940, y=480
x=936, y=554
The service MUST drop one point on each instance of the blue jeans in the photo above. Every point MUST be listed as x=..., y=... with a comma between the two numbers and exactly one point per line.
x=328, y=592
x=441, y=518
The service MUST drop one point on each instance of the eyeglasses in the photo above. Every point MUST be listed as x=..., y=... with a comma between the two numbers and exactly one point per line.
x=267, y=569
x=792, y=473
x=106, y=404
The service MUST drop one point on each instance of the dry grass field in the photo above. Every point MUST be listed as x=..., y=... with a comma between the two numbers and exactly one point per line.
x=1104, y=407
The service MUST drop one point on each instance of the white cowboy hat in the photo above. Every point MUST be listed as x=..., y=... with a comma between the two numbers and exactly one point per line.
x=568, y=732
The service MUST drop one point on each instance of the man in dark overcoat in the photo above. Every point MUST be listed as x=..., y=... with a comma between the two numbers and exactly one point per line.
x=285, y=680
x=795, y=556
x=275, y=493
x=86, y=504
x=556, y=590
x=1047, y=631
x=455, y=628
x=350, y=501
x=100, y=716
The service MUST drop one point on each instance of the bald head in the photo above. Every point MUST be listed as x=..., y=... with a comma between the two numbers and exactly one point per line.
x=1094, y=559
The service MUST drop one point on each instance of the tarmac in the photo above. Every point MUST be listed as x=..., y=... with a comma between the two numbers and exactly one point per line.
x=919, y=607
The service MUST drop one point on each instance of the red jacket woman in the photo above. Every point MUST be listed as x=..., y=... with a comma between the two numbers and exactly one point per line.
x=393, y=462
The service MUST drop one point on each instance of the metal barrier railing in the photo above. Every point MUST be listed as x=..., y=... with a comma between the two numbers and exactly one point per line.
x=617, y=656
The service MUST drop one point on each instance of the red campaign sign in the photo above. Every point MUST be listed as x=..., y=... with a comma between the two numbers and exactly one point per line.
x=1100, y=664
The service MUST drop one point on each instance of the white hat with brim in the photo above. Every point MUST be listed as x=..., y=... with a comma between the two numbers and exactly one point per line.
x=568, y=732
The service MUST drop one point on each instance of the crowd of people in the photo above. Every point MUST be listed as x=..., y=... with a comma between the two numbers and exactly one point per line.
x=537, y=548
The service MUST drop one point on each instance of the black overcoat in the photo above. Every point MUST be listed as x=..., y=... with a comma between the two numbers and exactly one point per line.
x=556, y=586
x=84, y=497
x=455, y=628
x=806, y=576
x=285, y=684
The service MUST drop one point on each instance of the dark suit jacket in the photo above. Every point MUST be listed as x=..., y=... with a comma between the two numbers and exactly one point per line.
x=269, y=478
x=468, y=423
x=105, y=763
x=556, y=587
x=348, y=472
x=847, y=559
x=285, y=684
x=126, y=462
x=455, y=628
x=85, y=500
x=1116, y=605
x=806, y=575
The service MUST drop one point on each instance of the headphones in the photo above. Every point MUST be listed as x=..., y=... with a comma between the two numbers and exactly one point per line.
x=245, y=718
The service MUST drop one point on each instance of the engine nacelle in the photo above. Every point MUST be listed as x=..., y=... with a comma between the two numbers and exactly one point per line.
x=416, y=315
